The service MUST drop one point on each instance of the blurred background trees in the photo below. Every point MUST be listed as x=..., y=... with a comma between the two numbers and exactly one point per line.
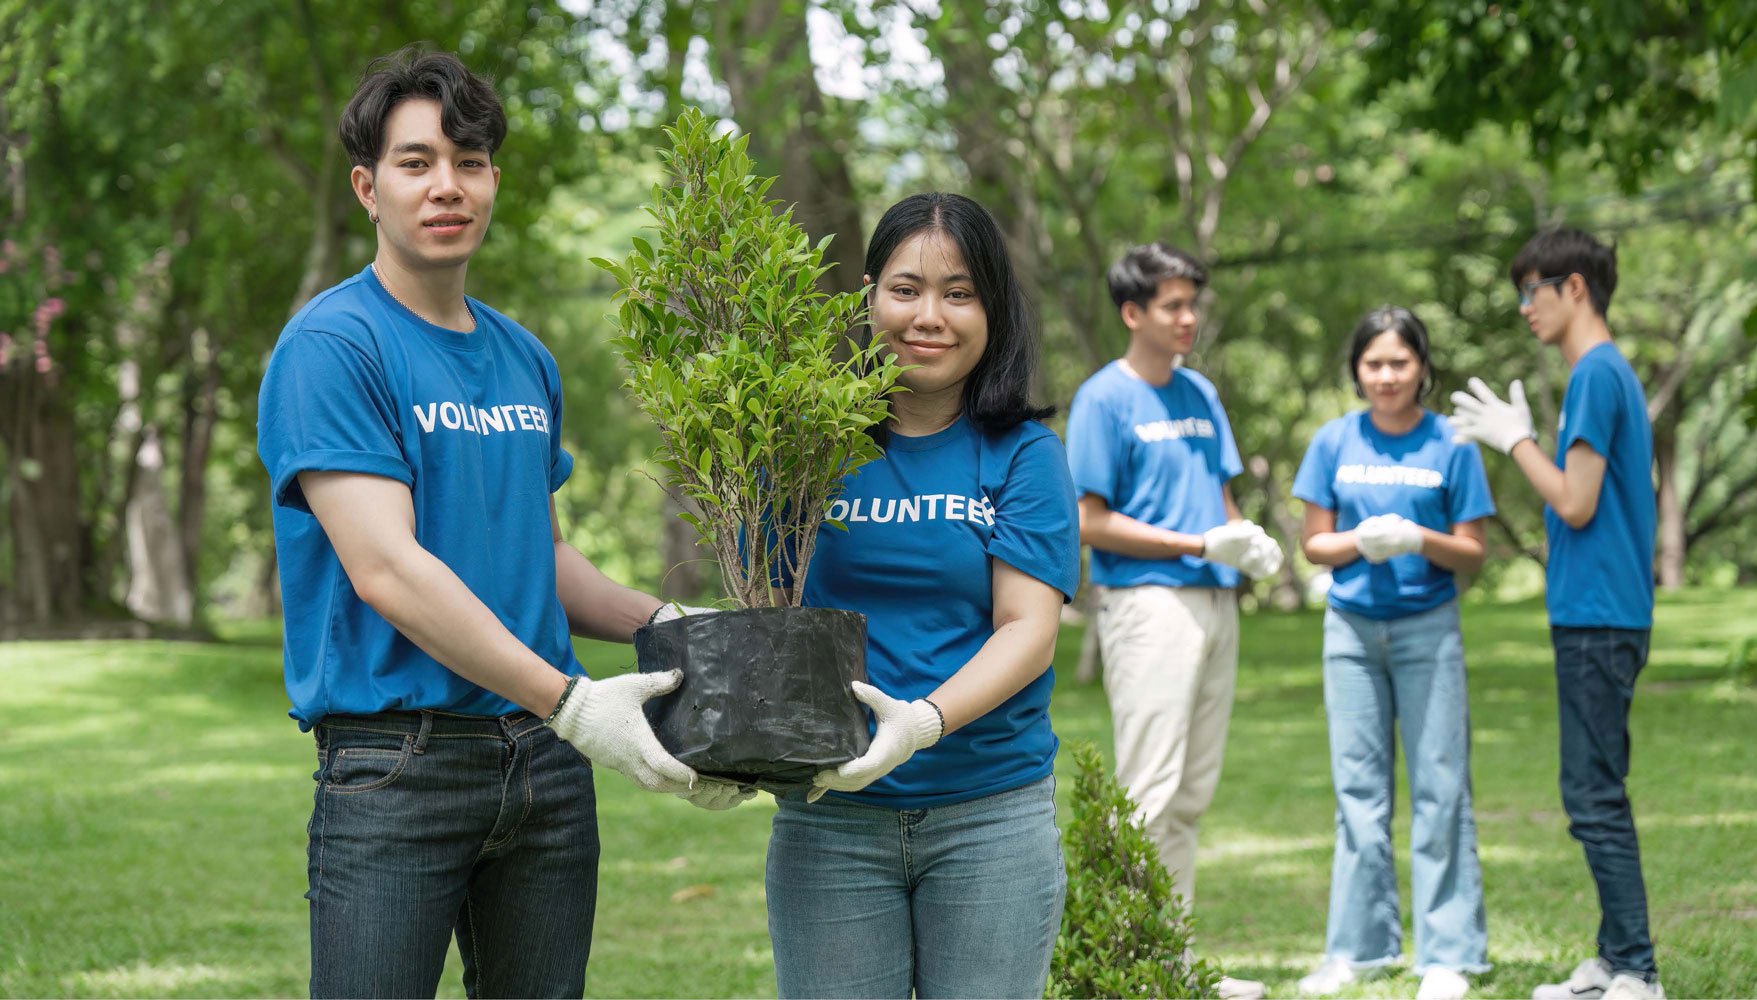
x=173, y=189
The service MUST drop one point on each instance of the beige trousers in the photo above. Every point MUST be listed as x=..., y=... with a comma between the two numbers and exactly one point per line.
x=1170, y=664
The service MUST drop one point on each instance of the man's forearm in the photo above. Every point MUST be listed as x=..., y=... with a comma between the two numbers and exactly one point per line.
x=1124, y=535
x=1542, y=473
x=598, y=607
x=1332, y=548
x=425, y=601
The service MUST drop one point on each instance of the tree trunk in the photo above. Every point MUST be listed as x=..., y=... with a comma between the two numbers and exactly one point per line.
x=683, y=567
x=199, y=418
x=1669, y=565
x=43, y=483
x=760, y=51
x=157, y=590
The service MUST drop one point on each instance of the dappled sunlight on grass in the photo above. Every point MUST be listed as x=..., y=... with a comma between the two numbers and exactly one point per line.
x=153, y=800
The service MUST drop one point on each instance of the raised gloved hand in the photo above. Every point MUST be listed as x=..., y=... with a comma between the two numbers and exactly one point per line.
x=903, y=728
x=712, y=793
x=671, y=611
x=1481, y=416
x=603, y=721
x=1262, y=558
x=1228, y=543
x=1379, y=538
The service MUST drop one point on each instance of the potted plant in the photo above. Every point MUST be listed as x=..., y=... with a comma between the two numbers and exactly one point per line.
x=763, y=400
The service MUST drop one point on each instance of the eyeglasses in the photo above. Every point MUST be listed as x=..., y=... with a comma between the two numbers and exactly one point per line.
x=1527, y=290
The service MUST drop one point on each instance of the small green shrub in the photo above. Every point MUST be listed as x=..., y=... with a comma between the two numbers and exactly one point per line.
x=1741, y=662
x=1124, y=932
x=761, y=399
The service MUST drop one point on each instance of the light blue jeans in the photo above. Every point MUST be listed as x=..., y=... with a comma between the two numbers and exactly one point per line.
x=1377, y=675
x=961, y=900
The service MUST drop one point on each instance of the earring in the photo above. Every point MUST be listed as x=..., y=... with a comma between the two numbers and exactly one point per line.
x=373, y=216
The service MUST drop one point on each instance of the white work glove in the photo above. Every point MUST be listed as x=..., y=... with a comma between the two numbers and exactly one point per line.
x=903, y=728
x=1262, y=558
x=1379, y=538
x=1479, y=415
x=712, y=793
x=1229, y=543
x=603, y=721
x=671, y=611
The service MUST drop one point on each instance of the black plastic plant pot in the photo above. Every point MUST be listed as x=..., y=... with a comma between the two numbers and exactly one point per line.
x=766, y=697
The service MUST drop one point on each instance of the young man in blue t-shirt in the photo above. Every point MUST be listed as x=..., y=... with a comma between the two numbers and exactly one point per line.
x=1599, y=514
x=412, y=439
x=1151, y=453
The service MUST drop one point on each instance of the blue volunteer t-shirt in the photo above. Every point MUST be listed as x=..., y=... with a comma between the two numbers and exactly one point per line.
x=470, y=422
x=924, y=524
x=1359, y=471
x=1601, y=576
x=1158, y=454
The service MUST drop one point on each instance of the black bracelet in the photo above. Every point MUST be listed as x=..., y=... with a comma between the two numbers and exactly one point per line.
x=942, y=715
x=571, y=681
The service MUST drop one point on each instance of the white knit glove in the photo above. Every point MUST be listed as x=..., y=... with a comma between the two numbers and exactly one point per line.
x=903, y=728
x=712, y=793
x=1262, y=558
x=671, y=611
x=603, y=721
x=1480, y=416
x=1379, y=538
x=1228, y=543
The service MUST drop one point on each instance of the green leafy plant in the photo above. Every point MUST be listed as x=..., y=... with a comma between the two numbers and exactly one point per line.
x=1124, y=932
x=761, y=397
x=1741, y=662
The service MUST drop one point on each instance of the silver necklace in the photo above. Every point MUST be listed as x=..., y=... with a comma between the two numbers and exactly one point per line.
x=399, y=300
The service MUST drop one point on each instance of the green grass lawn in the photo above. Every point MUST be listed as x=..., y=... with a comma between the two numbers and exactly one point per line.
x=153, y=799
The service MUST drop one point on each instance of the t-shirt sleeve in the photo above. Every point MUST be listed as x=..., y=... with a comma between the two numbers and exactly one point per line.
x=560, y=461
x=1467, y=486
x=1590, y=411
x=1315, y=482
x=324, y=406
x=1094, y=451
x=1036, y=525
x=1230, y=464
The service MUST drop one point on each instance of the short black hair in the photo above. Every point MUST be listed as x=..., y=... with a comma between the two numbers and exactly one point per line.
x=997, y=393
x=1409, y=329
x=1136, y=275
x=1557, y=253
x=469, y=110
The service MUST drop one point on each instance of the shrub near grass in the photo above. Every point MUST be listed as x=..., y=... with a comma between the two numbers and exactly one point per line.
x=1124, y=932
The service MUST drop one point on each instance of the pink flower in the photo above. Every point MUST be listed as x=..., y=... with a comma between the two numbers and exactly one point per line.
x=55, y=307
x=43, y=366
x=8, y=248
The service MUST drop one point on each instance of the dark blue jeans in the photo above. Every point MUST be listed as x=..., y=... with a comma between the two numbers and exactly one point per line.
x=427, y=824
x=1595, y=684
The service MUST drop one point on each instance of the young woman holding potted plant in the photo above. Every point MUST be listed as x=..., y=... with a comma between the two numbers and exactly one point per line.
x=931, y=864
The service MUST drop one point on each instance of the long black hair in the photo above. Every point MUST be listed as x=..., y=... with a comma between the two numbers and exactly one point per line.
x=997, y=392
x=1409, y=329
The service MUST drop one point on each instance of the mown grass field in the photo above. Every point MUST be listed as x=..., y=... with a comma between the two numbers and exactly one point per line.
x=153, y=799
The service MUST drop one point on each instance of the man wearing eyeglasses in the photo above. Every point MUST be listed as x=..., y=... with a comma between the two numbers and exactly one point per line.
x=1600, y=519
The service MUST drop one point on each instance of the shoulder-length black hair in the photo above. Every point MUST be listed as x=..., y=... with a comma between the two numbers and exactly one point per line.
x=997, y=392
x=1409, y=329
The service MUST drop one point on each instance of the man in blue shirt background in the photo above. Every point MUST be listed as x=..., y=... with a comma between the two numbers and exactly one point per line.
x=412, y=438
x=1152, y=452
x=1600, y=518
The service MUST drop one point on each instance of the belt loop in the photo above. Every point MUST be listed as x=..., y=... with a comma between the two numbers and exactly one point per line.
x=426, y=727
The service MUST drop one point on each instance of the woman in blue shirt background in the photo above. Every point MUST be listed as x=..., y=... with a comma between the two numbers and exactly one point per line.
x=1396, y=508
x=932, y=864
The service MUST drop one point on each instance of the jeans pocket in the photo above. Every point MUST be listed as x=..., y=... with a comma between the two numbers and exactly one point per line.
x=356, y=769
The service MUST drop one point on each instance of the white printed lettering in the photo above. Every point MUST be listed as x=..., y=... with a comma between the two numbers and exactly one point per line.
x=837, y=515
x=954, y=506
x=1390, y=475
x=426, y=418
x=491, y=418
x=524, y=413
x=854, y=512
x=890, y=510
x=908, y=509
x=933, y=503
x=450, y=416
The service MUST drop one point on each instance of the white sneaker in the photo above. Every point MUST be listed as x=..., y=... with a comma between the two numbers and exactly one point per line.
x=1625, y=986
x=1589, y=981
x=1229, y=988
x=1328, y=979
x=1442, y=984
